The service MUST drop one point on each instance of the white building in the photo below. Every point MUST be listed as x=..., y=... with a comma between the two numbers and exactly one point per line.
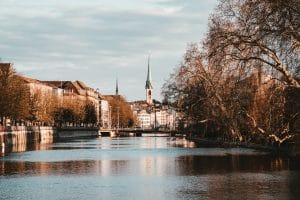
x=144, y=119
x=151, y=114
x=105, y=114
x=163, y=118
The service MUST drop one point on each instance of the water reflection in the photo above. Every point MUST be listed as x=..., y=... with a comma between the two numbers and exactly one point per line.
x=146, y=168
x=26, y=146
x=153, y=166
x=103, y=143
x=22, y=147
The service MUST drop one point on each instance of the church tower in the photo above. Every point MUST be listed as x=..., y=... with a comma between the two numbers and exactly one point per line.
x=149, y=87
x=117, y=87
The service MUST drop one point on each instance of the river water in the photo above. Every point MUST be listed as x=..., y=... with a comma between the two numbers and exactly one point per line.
x=145, y=168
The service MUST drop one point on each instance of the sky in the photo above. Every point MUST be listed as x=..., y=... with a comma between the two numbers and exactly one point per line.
x=97, y=41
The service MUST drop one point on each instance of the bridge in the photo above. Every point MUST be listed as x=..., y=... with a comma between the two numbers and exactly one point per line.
x=133, y=132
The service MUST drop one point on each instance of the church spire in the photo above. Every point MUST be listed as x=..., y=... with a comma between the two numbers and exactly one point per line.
x=149, y=86
x=117, y=87
x=149, y=81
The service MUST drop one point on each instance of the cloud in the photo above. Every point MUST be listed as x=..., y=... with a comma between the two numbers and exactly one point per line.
x=97, y=40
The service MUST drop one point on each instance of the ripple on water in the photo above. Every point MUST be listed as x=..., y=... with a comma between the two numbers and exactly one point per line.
x=145, y=168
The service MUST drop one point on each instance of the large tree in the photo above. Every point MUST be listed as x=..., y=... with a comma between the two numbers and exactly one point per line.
x=262, y=34
x=90, y=115
x=208, y=94
x=41, y=106
x=249, y=42
x=14, y=94
x=121, y=113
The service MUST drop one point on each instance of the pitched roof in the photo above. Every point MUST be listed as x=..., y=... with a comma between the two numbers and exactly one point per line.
x=36, y=81
x=58, y=84
x=27, y=79
x=81, y=84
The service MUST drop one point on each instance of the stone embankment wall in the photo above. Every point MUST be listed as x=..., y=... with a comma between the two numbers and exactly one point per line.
x=19, y=135
x=77, y=132
x=22, y=135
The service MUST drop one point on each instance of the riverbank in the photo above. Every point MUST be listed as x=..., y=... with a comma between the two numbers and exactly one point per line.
x=14, y=135
x=291, y=151
x=20, y=135
x=77, y=132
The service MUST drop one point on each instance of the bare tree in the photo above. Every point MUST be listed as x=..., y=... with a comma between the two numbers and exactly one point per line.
x=208, y=94
x=257, y=33
x=224, y=104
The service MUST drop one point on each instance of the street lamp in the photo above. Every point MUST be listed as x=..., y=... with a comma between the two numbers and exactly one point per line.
x=109, y=117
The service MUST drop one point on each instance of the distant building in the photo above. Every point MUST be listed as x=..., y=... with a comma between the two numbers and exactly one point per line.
x=35, y=86
x=144, y=119
x=142, y=111
x=119, y=113
x=154, y=116
x=150, y=113
x=165, y=118
x=105, y=114
x=64, y=91
x=77, y=90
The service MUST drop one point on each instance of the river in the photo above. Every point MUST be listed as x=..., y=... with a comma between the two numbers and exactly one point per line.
x=145, y=168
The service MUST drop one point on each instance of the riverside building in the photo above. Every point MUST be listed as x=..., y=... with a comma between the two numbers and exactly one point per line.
x=150, y=113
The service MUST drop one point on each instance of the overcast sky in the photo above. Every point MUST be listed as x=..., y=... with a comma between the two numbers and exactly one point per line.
x=98, y=40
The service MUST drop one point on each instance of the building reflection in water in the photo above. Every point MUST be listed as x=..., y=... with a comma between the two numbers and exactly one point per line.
x=150, y=166
x=24, y=146
x=211, y=173
x=157, y=159
x=156, y=142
